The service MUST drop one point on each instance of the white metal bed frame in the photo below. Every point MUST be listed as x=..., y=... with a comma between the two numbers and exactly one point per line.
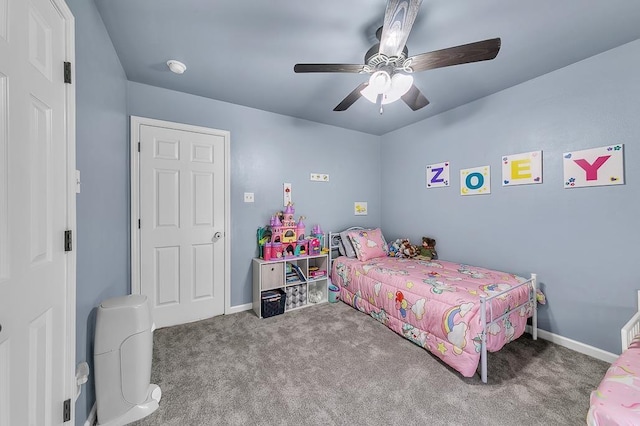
x=628, y=332
x=631, y=329
x=486, y=307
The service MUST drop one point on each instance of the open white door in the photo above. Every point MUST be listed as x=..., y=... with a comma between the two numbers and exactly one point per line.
x=37, y=206
x=183, y=220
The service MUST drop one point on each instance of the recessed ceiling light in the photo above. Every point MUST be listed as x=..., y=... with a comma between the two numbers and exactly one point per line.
x=176, y=66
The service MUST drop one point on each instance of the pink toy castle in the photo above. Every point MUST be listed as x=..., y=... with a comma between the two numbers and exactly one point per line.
x=289, y=233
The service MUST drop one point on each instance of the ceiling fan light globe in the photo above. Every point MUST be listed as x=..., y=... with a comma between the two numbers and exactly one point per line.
x=380, y=81
x=370, y=94
x=389, y=98
x=400, y=84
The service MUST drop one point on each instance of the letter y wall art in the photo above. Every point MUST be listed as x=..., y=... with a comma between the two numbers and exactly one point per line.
x=589, y=167
x=594, y=167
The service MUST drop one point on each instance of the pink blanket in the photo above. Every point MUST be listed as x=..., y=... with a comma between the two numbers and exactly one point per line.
x=435, y=304
x=617, y=399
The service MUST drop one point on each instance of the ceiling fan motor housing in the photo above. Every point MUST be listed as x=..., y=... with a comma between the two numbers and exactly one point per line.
x=376, y=61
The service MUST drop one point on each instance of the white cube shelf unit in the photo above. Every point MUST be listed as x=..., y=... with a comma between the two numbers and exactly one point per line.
x=303, y=279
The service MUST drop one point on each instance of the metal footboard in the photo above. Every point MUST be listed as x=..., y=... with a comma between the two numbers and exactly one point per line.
x=631, y=329
x=484, y=316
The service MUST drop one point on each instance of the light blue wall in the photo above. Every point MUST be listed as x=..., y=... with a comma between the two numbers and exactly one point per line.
x=575, y=237
x=581, y=242
x=267, y=150
x=103, y=205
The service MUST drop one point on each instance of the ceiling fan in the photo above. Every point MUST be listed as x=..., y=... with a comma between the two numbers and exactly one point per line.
x=390, y=66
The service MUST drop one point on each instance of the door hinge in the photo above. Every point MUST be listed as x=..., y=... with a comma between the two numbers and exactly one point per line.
x=66, y=410
x=138, y=223
x=68, y=238
x=138, y=146
x=67, y=72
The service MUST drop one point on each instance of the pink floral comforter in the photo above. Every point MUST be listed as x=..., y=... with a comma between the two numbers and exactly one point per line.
x=435, y=304
x=617, y=399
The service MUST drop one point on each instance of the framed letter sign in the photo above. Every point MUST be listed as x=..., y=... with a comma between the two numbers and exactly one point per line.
x=438, y=175
x=522, y=169
x=475, y=181
x=594, y=167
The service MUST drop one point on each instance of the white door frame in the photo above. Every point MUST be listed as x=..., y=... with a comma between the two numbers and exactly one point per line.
x=71, y=386
x=136, y=122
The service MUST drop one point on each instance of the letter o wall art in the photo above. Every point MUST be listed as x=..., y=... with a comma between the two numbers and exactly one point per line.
x=475, y=181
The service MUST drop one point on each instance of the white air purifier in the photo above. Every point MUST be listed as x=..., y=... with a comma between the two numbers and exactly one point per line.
x=122, y=361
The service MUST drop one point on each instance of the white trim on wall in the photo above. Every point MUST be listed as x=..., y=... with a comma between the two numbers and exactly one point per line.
x=239, y=308
x=136, y=122
x=576, y=346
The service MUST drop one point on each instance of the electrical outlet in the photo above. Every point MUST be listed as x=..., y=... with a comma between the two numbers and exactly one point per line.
x=248, y=197
x=319, y=177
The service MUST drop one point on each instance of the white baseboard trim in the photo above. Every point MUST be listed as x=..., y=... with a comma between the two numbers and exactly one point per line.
x=93, y=416
x=240, y=308
x=575, y=345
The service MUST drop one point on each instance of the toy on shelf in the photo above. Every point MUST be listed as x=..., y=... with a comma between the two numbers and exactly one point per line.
x=284, y=237
x=314, y=246
x=316, y=231
x=264, y=236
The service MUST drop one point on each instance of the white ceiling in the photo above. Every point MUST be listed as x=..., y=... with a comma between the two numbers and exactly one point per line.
x=243, y=52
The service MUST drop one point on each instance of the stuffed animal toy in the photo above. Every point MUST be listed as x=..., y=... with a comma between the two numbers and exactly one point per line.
x=394, y=248
x=428, y=248
x=407, y=249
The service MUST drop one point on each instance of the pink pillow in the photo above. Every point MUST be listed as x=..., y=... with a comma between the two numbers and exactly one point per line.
x=368, y=244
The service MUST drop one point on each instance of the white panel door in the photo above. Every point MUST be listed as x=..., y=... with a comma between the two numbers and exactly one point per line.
x=182, y=223
x=34, y=213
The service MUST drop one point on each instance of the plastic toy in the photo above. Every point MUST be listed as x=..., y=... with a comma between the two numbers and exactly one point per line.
x=287, y=237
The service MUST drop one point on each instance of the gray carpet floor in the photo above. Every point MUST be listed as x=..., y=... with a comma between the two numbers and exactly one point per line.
x=332, y=365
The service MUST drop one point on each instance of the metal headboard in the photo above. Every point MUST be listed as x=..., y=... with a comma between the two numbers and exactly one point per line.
x=334, y=243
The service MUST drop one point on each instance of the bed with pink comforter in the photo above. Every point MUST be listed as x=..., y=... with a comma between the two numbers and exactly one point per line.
x=436, y=304
x=617, y=399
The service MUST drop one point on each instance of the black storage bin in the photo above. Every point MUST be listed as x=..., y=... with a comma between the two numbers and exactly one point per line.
x=273, y=303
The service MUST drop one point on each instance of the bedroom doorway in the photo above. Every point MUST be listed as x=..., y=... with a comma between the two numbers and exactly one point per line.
x=37, y=208
x=180, y=219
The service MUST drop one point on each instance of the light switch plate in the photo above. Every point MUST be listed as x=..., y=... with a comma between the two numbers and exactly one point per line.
x=77, y=181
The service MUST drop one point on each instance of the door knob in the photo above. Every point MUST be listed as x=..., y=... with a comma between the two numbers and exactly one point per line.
x=217, y=236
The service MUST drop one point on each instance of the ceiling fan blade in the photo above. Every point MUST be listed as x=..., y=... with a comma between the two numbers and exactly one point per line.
x=328, y=68
x=472, y=52
x=351, y=98
x=398, y=20
x=415, y=99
